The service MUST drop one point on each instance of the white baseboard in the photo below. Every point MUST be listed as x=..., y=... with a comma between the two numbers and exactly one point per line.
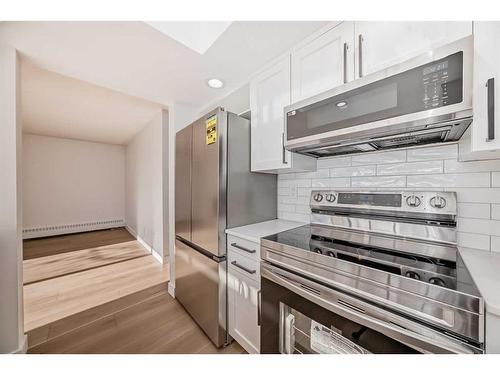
x=171, y=289
x=157, y=256
x=131, y=231
x=55, y=230
x=153, y=252
x=23, y=346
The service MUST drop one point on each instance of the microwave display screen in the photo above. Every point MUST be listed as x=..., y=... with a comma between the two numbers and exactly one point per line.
x=383, y=200
x=429, y=86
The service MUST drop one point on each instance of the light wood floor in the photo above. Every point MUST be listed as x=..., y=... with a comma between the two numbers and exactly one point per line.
x=40, y=247
x=54, y=299
x=158, y=324
x=108, y=297
x=48, y=267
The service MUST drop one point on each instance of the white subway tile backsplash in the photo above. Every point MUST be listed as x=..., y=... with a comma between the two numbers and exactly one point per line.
x=339, y=161
x=495, y=212
x=304, y=192
x=495, y=179
x=419, y=167
x=303, y=209
x=295, y=183
x=286, y=176
x=293, y=216
x=478, y=195
x=455, y=166
x=474, y=210
x=479, y=226
x=362, y=170
x=433, y=153
x=320, y=173
x=330, y=182
x=473, y=241
x=495, y=243
x=286, y=207
x=477, y=184
x=283, y=191
x=378, y=181
x=450, y=180
x=369, y=158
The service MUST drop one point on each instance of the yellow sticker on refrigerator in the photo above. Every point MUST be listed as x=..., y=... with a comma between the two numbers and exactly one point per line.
x=211, y=124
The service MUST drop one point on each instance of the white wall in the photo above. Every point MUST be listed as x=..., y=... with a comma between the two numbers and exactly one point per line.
x=145, y=169
x=12, y=338
x=237, y=101
x=71, y=182
x=477, y=184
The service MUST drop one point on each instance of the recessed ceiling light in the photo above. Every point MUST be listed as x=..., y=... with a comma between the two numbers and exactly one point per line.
x=215, y=83
x=341, y=104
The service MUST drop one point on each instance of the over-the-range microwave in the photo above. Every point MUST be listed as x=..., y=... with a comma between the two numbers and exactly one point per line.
x=427, y=99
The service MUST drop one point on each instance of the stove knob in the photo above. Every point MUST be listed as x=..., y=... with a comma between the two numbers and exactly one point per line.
x=330, y=198
x=438, y=202
x=317, y=250
x=412, y=275
x=413, y=201
x=318, y=197
x=436, y=281
x=331, y=254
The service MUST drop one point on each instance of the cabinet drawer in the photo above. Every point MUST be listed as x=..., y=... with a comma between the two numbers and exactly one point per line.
x=244, y=247
x=244, y=265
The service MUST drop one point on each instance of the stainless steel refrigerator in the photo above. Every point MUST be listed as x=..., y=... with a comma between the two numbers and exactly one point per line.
x=214, y=190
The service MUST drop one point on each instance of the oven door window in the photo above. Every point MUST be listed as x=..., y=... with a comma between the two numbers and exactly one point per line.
x=303, y=335
x=293, y=324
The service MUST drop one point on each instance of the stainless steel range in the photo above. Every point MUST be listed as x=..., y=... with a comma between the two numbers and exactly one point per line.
x=374, y=272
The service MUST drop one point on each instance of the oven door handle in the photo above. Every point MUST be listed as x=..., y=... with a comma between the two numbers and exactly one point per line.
x=393, y=326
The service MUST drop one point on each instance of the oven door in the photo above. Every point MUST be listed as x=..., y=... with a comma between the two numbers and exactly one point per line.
x=301, y=316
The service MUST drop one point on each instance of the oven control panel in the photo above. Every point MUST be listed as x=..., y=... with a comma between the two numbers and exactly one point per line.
x=432, y=202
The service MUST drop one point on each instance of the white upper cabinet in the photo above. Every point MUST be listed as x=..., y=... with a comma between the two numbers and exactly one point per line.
x=382, y=44
x=486, y=94
x=269, y=94
x=324, y=63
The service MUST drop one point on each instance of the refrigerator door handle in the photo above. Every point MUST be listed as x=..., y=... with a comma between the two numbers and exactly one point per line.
x=201, y=250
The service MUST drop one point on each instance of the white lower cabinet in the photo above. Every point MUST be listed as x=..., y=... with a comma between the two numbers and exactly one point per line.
x=243, y=294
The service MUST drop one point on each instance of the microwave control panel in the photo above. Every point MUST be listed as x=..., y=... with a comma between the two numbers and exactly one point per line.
x=435, y=80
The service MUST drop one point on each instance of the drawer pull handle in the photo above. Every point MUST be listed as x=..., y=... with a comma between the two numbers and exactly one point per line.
x=251, y=272
x=234, y=244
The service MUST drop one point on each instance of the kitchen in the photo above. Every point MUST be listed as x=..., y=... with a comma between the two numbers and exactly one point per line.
x=388, y=157
x=338, y=193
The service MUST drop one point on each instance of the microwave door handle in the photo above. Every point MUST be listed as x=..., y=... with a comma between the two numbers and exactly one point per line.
x=345, y=62
x=360, y=55
x=490, y=85
x=283, y=148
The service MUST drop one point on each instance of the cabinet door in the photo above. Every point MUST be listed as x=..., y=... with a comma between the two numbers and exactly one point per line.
x=269, y=94
x=486, y=71
x=243, y=310
x=324, y=63
x=382, y=44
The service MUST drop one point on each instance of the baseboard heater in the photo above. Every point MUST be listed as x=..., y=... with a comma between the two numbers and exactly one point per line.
x=54, y=230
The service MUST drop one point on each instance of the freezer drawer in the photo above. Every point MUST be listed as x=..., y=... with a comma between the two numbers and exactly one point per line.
x=200, y=286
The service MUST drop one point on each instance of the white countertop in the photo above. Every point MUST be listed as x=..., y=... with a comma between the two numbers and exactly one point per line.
x=254, y=232
x=484, y=268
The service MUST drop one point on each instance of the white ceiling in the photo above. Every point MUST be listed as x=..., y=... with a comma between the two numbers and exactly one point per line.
x=197, y=35
x=136, y=59
x=59, y=106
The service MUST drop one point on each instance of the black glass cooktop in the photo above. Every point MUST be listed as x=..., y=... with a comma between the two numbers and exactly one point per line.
x=444, y=273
